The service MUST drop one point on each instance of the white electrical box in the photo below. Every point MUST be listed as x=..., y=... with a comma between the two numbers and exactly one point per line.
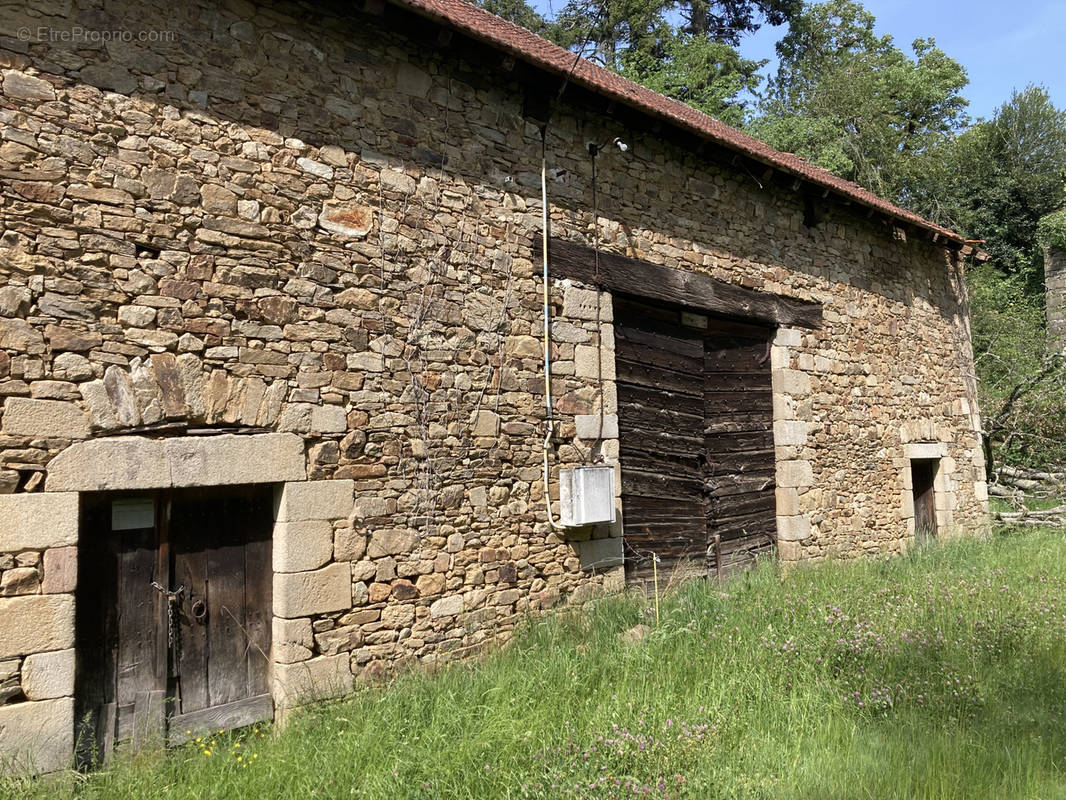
x=586, y=495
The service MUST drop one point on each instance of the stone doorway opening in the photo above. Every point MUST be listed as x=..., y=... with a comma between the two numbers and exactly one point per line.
x=923, y=489
x=173, y=615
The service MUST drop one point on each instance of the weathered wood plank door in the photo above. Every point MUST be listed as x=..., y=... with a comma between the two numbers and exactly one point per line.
x=696, y=441
x=222, y=558
x=659, y=366
x=739, y=428
x=923, y=479
x=173, y=614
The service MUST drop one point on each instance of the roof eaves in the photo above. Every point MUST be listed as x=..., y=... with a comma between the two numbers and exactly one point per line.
x=521, y=43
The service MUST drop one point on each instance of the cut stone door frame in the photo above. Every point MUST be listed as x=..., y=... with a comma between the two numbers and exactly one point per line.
x=589, y=279
x=38, y=735
x=944, y=495
x=791, y=388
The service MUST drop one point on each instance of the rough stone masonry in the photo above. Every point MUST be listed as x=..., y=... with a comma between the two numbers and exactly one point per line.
x=297, y=227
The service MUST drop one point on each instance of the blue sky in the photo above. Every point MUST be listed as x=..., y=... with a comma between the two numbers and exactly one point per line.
x=1002, y=45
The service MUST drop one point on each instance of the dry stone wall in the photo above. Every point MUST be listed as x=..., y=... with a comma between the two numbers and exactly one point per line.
x=270, y=219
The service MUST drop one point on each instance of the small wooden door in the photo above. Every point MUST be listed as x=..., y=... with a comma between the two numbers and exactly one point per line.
x=923, y=478
x=174, y=614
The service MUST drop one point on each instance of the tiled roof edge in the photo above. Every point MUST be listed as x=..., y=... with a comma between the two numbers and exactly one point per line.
x=523, y=44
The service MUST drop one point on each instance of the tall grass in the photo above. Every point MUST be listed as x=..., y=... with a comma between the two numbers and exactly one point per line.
x=941, y=674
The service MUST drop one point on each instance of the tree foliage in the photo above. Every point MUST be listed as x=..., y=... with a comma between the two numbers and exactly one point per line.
x=1022, y=387
x=1002, y=175
x=685, y=49
x=727, y=20
x=853, y=102
x=704, y=73
x=519, y=12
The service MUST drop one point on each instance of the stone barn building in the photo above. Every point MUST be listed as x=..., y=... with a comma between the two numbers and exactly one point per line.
x=274, y=408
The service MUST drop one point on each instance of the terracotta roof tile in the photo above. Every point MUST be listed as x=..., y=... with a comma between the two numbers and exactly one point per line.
x=527, y=46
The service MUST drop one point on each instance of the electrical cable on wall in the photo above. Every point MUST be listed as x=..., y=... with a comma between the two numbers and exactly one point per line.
x=549, y=422
x=594, y=151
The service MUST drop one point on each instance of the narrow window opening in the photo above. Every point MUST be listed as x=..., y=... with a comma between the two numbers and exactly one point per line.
x=923, y=478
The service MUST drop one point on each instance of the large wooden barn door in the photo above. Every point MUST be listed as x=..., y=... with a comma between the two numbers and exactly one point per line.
x=659, y=375
x=696, y=441
x=739, y=426
x=173, y=615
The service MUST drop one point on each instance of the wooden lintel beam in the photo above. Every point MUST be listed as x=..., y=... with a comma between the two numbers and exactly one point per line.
x=692, y=289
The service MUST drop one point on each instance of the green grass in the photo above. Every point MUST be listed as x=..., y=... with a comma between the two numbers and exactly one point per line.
x=1031, y=502
x=941, y=674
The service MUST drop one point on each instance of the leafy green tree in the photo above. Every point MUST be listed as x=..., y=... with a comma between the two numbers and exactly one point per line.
x=727, y=20
x=854, y=103
x=685, y=50
x=1022, y=388
x=703, y=73
x=1002, y=175
x=995, y=182
x=517, y=11
x=605, y=31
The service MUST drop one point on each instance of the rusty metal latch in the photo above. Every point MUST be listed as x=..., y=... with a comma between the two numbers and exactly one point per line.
x=173, y=621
